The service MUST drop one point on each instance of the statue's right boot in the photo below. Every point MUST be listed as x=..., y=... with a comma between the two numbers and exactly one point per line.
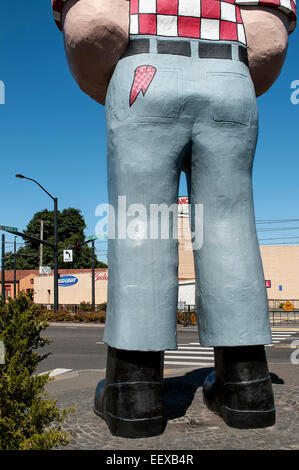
x=130, y=398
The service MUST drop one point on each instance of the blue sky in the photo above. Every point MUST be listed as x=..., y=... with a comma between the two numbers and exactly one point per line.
x=53, y=132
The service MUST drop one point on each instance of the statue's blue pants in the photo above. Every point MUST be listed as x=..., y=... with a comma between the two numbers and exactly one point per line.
x=201, y=114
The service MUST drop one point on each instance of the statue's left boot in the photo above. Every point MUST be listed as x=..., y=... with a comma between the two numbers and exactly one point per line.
x=240, y=389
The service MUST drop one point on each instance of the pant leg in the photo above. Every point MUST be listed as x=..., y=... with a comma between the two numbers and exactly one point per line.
x=230, y=288
x=145, y=146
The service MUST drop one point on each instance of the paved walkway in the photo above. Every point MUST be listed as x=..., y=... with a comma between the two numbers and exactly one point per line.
x=190, y=425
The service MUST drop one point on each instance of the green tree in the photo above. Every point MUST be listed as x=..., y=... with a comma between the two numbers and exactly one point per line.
x=71, y=225
x=28, y=420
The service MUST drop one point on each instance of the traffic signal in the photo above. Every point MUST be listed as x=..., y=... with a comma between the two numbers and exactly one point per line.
x=78, y=249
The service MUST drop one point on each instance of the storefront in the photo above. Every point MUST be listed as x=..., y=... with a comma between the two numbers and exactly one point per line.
x=24, y=282
x=74, y=287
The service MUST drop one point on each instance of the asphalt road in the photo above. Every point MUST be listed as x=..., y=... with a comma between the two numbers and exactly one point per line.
x=80, y=347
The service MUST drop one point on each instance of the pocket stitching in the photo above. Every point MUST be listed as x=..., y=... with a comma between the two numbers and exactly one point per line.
x=212, y=106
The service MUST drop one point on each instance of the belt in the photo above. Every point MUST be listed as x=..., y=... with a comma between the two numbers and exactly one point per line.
x=183, y=48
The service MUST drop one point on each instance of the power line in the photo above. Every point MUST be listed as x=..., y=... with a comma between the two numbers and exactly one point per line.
x=278, y=238
x=277, y=229
x=275, y=221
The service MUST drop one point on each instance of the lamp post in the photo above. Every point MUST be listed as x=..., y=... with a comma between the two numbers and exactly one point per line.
x=3, y=269
x=93, y=302
x=55, y=238
x=15, y=268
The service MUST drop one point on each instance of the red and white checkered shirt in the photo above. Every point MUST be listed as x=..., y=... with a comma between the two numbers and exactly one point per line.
x=215, y=20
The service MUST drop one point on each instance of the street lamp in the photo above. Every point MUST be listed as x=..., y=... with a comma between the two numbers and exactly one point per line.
x=55, y=238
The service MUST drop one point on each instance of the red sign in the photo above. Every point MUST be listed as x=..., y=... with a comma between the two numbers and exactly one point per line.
x=101, y=276
x=268, y=284
x=183, y=200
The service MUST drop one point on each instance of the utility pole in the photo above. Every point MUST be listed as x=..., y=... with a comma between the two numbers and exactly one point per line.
x=55, y=255
x=77, y=248
x=93, y=306
x=41, y=245
x=3, y=269
x=15, y=269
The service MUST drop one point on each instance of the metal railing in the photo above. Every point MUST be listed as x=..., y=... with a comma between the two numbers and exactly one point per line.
x=73, y=308
x=280, y=316
x=277, y=316
x=186, y=314
x=275, y=304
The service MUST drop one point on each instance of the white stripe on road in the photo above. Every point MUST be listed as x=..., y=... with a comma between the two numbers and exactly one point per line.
x=189, y=357
x=190, y=363
x=209, y=353
x=55, y=372
x=280, y=336
x=193, y=347
x=285, y=331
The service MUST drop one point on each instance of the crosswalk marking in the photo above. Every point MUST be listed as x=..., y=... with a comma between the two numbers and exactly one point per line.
x=191, y=357
x=191, y=348
x=209, y=353
x=188, y=353
x=280, y=335
x=189, y=363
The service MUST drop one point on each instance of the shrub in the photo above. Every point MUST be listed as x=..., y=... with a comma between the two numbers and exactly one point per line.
x=85, y=307
x=49, y=315
x=102, y=316
x=63, y=316
x=60, y=316
x=27, y=419
x=180, y=317
x=79, y=316
x=90, y=317
x=102, y=307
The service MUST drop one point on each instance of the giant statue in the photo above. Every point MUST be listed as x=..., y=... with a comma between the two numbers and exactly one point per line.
x=179, y=81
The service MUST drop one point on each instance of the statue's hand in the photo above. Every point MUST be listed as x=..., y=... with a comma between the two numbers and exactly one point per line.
x=96, y=32
x=267, y=31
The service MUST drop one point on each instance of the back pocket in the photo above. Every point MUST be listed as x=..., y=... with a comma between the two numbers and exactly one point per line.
x=160, y=101
x=231, y=97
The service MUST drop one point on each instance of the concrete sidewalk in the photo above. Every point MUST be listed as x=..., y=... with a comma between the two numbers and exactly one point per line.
x=190, y=425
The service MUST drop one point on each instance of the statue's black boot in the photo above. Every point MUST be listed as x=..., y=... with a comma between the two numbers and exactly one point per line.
x=130, y=398
x=240, y=389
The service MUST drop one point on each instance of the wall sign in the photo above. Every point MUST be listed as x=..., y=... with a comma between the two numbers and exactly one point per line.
x=67, y=281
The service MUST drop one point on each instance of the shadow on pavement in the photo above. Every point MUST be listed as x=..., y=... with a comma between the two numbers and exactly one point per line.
x=178, y=392
x=275, y=379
